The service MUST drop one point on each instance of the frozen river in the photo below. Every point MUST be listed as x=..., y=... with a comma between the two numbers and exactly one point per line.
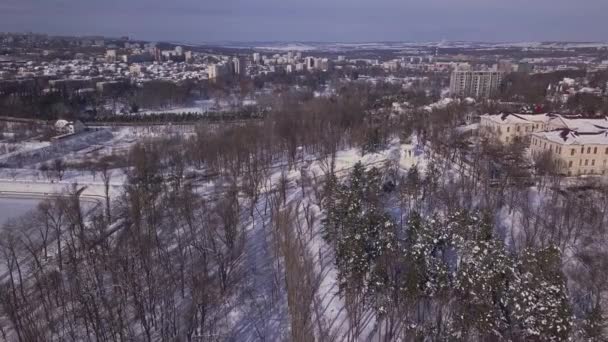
x=15, y=207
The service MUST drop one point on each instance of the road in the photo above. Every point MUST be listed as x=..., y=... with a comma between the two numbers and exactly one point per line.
x=41, y=190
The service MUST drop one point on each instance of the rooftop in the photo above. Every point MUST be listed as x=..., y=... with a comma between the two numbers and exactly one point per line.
x=512, y=118
x=574, y=124
x=570, y=137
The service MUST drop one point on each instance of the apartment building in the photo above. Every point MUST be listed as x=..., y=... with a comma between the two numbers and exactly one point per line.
x=477, y=84
x=579, y=153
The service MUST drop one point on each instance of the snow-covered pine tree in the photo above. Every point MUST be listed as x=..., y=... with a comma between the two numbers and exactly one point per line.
x=480, y=289
x=331, y=195
x=538, y=298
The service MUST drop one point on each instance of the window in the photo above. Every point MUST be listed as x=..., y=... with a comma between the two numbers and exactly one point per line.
x=572, y=152
x=569, y=173
x=588, y=150
x=586, y=162
x=517, y=128
x=606, y=150
x=593, y=162
x=508, y=129
x=570, y=164
x=595, y=150
x=582, y=149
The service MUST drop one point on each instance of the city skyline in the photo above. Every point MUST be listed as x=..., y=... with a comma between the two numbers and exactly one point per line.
x=314, y=21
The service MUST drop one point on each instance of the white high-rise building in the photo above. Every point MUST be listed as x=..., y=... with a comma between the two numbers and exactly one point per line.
x=216, y=71
x=179, y=50
x=111, y=56
x=310, y=63
x=238, y=66
x=322, y=64
x=477, y=84
x=188, y=56
x=256, y=57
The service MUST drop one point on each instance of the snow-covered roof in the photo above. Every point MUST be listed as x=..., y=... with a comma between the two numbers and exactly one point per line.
x=579, y=124
x=569, y=137
x=568, y=81
x=61, y=123
x=582, y=125
x=517, y=118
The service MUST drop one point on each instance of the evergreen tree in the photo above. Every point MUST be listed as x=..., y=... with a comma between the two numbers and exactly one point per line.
x=330, y=197
x=425, y=249
x=480, y=287
x=538, y=296
x=594, y=324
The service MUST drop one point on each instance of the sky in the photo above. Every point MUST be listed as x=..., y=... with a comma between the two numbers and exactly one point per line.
x=199, y=21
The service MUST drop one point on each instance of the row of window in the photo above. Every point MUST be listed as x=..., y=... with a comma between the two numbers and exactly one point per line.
x=584, y=172
x=538, y=142
x=580, y=163
x=573, y=151
x=528, y=129
x=558, y=149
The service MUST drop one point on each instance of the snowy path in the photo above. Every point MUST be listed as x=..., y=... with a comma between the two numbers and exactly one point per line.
x=264, y=315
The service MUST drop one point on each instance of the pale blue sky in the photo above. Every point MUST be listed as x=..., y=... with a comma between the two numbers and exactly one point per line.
x=313, y=20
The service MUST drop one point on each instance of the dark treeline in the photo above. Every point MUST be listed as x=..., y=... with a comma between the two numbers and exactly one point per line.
x=29, y=101
x=29, y=98
x=135, y=118
x=532, y=89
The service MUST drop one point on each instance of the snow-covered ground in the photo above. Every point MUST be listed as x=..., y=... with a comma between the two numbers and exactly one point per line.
x=200, y=107
x=43, y=189
x=345, y=47
x=441, y=104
